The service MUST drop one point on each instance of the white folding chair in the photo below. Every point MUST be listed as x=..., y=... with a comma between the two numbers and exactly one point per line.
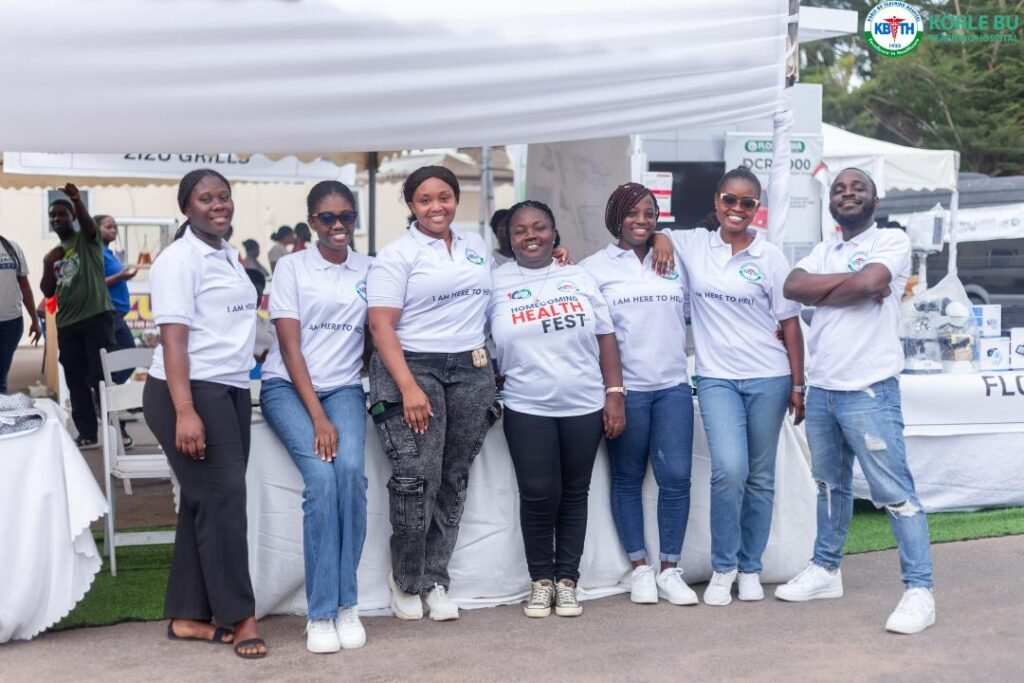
x=116, y=361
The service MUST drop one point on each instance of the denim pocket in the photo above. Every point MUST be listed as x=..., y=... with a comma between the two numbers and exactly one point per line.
x=397, y=438
x=406, y=500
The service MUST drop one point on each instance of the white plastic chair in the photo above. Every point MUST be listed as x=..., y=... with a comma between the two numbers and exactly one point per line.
x=116, y=462
x=116, y=361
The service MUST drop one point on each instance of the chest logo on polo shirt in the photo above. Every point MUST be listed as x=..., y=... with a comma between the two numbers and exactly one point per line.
x=520, y=294
x=751, y=272
x=856, y=262
x=567, y=286
x=474, y=257
x=671, y=275
x=361, y=289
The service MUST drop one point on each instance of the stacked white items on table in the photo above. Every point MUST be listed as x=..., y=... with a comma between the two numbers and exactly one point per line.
x=963, y=437
x=48, y=499
x=989, y=318
x=489, y=567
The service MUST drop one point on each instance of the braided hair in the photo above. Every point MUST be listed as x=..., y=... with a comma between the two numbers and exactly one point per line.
x=621, y=202
x=187, y=186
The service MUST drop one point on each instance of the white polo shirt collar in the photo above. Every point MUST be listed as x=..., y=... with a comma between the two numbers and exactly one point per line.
x=755, y=248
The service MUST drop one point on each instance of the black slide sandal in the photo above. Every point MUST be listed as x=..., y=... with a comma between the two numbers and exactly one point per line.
x=247, y=643
x=218, y=635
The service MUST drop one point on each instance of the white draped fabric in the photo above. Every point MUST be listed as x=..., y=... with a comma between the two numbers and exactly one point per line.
x=48, y=557
x=354, y=75
x=488, y=567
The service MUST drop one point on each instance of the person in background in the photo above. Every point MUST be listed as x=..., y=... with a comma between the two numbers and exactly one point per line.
x=15, y=292
x=251, y=259
x=563, y=390
x=302, y=237
x=312, y=397
x=650, y=327
x=196, y=401
x=73, y=271
x=746, y=379
x=502, y=254
x=431, y=384
x=855, y=281
x=265, y=334
x=282, y=239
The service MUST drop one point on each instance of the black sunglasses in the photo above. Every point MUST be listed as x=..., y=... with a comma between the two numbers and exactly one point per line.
x=328, y=219
x=746, y=203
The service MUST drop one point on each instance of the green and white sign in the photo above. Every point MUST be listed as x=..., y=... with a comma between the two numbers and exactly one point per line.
x=893, y=28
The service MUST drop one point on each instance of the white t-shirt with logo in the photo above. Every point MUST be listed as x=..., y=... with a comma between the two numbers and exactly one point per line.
x=12, y=266
x=443, y=296
x=545, y=323
x=736, y=303
x=647, y=311
x=329, y=301
x=206, y=289
x=854, y=346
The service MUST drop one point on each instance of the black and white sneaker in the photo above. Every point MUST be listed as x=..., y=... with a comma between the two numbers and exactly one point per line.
x=85, y=444
x=126, y=438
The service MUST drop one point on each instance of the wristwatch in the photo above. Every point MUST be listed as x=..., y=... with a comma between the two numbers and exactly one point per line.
x=799, y=389
x=615, y=390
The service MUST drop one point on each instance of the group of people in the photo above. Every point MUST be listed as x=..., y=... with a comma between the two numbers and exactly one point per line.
x=581, y=352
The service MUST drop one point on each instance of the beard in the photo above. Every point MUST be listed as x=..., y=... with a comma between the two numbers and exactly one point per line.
x=852, y=220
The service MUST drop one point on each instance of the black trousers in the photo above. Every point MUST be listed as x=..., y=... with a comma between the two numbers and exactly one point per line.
x=553, y=458
x=79, y=347
x=209, y=576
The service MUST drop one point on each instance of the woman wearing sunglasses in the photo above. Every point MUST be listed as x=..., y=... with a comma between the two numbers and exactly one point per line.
x=312, y=397
x=746, y=378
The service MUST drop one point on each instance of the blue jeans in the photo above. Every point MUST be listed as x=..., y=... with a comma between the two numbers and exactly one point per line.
x=125, y=340
x=867, y=424
x=742, y=419
x=10, y=335
x=334, y=498
x=659, y=427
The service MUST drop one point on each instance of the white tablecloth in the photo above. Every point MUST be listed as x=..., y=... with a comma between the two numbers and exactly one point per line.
x=488, y=567
x=965, y=440
x=48, y=498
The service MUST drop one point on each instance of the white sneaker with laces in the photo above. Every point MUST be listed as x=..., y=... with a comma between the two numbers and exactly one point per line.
x=750, y=586
x=440, y=605
x=566, y=603
x=542, y=596
x=673, y=588
x=642, y=587
x=813, y=583
x=719, y=590
x=322, y=637
x=404, y=605
x=351, y=633
x=915, y=613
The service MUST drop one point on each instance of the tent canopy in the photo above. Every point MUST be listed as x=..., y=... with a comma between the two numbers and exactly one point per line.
x=893, y=167
x=123, y=76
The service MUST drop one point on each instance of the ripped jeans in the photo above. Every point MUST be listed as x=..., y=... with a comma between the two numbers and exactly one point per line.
x=430, y=472
x=868, y=425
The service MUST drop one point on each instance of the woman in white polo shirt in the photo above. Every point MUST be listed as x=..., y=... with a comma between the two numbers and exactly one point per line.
x=196, y=401
x=650, y=326
x=747, y=379
x=312, y=397
x=563, y=389
x=431, y=384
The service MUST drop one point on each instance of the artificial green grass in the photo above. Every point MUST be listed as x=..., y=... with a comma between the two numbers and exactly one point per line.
x=137, y=592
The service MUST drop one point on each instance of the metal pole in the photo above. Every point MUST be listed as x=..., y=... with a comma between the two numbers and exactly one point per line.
x=371, y=218
x=486, y=190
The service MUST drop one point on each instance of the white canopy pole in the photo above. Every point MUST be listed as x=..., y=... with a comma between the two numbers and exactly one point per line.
x=778, y=182
x=954, y=206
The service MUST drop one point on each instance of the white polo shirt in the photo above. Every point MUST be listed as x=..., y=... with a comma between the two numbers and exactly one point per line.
x=854, y=346
x=12, y=266
x=194, y=284
x=329, y=301
x=736, y=303
x=647, y=312
x=443, y=296
x=544, y=324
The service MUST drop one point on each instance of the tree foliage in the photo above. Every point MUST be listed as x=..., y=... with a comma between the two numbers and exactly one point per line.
x=944, y=95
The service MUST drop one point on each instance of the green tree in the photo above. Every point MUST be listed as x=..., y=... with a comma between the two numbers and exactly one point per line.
x=944, y=95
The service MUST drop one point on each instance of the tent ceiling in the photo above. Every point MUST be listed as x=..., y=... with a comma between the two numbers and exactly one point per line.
x=308, y=76
x=893, y=167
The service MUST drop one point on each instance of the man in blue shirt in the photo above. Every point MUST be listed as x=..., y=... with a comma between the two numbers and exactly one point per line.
x=117, y=276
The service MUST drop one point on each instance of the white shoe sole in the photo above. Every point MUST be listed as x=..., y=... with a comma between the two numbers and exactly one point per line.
x=353, y=644
x=820, y=594
x=537, y=612
x=644, y=598
x=911, y=630
x=569, y=611
x=444, y=616
x=688, y=600
x=327, y=649
x=407, y=616
x=717, y=602
x=752, y=598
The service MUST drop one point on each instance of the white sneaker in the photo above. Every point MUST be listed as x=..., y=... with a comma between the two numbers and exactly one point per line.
x=404, y=605
x=566, y=604
x=351, y=633
x=719, y=590
x=915, y=613
x=441, y=606
x=813, y=583
x=321, y=636
x=542, y=596
x=673, y=588
x=642, y=587
x=750, y=586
